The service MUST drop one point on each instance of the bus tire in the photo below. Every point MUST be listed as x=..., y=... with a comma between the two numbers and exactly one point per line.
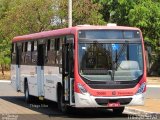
x=61, y=105
x=28, y=97
x=118, y=110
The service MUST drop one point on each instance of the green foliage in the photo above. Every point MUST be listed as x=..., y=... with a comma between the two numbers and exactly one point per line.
x=84, y=12
x=18, y=17
x=117, y=10
x=144, y=14
x=28, y=16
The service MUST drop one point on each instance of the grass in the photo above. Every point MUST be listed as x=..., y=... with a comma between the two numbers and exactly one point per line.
x=6, y=75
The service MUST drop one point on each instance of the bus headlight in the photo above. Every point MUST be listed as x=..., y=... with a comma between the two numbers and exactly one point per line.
x=141, y=88
x=82, y=89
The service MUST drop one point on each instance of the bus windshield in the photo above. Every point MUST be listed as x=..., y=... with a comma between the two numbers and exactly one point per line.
x=118, y=61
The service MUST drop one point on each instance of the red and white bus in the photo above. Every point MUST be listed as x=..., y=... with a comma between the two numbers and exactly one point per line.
x=83, y=66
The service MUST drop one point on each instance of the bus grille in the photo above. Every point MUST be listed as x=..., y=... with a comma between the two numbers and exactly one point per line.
x=122, y=101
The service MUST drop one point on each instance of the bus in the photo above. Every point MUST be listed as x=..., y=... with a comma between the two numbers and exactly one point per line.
x=84, y=66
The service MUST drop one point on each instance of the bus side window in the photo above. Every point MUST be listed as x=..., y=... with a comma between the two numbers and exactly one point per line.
x=57, y=44
x=48, y=44
x=19, y=53
x=47, y=52
x=52, y=45
x=61, y=42
x=34, y=52
x=23, y=53
x=35, y=45
x=13, y=58
x=32, y=46
x=29, y=47
x=41, y=51
x=28, y=53
x=47, y=47
x=25, y=47
x=14, y=47
x=51, y=52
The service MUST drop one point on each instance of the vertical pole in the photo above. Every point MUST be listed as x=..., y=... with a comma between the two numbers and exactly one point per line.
x=69, y=13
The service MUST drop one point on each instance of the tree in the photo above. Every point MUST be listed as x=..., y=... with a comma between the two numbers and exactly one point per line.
x=146, y=15
x=29, y=16
x=84, y=12
x=116, y=11
x=18, y=17
x=4, y=44
x=142, y=14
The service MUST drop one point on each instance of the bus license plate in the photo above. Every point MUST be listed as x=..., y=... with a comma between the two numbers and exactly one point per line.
x=113, y=104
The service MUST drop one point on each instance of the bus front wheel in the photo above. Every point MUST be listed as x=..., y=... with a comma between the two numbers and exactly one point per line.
x=61, y=105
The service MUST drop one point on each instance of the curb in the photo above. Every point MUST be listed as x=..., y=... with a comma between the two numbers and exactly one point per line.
x=5, y=81
x=134, y=111
x=155, y=86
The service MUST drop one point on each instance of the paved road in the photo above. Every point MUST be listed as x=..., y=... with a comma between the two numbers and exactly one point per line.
x=153, y=92
x=12, y=106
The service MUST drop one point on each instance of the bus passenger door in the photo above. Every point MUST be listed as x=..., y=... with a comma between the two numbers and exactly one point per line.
x=67, y=72
x=40, y=68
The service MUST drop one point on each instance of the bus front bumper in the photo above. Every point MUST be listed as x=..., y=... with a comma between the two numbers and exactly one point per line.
x=88, y=101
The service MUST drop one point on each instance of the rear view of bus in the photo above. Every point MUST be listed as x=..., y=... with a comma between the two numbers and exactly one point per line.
x=109, y=67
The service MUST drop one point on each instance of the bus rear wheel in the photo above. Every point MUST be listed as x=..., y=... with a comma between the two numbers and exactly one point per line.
x=28, y=97
x=118, y=110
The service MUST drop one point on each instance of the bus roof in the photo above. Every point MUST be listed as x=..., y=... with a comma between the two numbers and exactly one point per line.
x=67, y=31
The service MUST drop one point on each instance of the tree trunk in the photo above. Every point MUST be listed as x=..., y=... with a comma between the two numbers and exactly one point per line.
x=2, y=66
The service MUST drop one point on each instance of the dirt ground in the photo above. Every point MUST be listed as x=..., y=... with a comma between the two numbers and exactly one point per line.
x=6, y=75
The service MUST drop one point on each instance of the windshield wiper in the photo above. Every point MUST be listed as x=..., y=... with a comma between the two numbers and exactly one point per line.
x=115, y=65
x=110, y=72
